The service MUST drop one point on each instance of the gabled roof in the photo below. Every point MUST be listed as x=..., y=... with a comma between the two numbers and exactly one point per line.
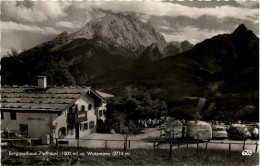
x=104, y=95
x=33, y=98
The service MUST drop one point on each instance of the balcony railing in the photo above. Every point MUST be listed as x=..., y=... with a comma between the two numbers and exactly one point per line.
x=77, y=117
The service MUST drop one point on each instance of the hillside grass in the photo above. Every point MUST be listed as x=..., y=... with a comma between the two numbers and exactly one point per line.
x=133, y=157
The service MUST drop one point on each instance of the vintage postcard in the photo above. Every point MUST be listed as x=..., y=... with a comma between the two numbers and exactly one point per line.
x=130, y=83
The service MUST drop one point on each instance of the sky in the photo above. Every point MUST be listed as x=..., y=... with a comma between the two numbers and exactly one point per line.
x=25, y=24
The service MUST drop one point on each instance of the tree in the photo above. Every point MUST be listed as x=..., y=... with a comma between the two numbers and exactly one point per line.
x=135, y=105
x=12, y=52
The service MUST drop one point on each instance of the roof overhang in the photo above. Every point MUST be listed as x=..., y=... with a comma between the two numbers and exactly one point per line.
x=31, y=110
x=98, y=95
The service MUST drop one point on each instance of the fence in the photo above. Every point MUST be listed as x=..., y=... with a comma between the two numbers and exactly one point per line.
x=131, y=144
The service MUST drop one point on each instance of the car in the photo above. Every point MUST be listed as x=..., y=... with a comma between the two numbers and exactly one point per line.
x=219, y=132
x=254, y=130
x=238, y=131
x=199, y=130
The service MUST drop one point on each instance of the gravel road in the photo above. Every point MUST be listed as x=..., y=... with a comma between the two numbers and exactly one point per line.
x=116, y=141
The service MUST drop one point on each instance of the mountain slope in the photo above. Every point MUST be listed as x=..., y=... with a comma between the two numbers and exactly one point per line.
x=114, y=41
x=150, y=53
x=174, y=48
x=228, y=57
x=75, y=63
x=231, y=57
x=119, y=51
x=216, y=69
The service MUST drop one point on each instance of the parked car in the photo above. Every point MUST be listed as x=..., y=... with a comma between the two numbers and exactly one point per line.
x=219, y=132
x=199, y=130
x=238, y=131
x=254, y=130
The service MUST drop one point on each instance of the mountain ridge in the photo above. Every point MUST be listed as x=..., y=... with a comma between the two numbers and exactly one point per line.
x=215, y=69
x=121, y=31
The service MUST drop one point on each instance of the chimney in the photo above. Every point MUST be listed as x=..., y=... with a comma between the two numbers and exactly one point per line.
x=42, y=82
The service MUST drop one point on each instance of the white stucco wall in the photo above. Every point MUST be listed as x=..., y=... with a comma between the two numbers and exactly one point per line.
x=38, y=123
x=100, y=108
x=86, y=101
x=59, y=122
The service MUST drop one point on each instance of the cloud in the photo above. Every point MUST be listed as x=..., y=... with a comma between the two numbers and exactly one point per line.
x=167, y=28
x=37, y=12
x=248, y=4
x=65, y=24
x=143, y=17
x=171, y=9
x=172, y=19
x=93, y=15
x=70, y=27
x=191, y=33
x=9, y=26
x=48, y=10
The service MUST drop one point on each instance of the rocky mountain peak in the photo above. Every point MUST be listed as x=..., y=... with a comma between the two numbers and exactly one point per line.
x=240, y=29
x=243, y=37
x=61, y=35
x=242, y=33
x=122, y=31
x=176, y=47
x=186, y=45
x=151, y=53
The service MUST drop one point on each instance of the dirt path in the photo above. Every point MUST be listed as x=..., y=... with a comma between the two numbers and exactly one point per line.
x=117, y=140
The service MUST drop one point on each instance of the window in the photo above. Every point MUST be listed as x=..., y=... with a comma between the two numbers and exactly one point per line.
x=2, y=115
x=100, y=112
x=70, y=110
x=82, y=108
x=13, y=115
x=76, y=108
x=89, y=107
x=85, y=126
x=24, y=129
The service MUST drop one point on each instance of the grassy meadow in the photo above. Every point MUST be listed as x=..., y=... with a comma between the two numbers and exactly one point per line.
x=180, y=157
